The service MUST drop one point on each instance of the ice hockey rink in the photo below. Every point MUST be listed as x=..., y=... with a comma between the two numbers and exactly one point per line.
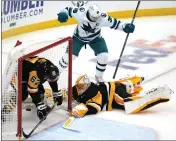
x=150, y=51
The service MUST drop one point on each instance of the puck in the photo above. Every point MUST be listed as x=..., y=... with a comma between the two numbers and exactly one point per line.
x=28, y=109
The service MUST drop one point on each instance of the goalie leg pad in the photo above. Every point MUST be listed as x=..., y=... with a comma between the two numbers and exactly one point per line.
x=151, y=98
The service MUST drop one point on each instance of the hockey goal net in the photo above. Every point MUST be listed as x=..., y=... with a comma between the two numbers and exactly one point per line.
x=12, y=80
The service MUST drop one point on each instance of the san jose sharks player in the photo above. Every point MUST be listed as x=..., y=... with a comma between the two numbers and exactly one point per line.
x=88, y=31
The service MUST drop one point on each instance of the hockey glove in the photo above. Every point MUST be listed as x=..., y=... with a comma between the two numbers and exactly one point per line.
x=42, y=110
x=62, y=17
x=129, y=28
x=79, y=110
x=57, y=96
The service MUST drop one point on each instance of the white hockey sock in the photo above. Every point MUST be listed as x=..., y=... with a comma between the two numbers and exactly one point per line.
x=102, y=60
x=63, y=62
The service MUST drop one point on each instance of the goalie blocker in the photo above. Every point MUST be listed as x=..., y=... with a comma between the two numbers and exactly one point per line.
x=122, y=94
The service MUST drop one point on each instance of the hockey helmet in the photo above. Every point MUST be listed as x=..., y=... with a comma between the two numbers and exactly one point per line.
x=82, y=84
x=52, y=73
x=94, y=12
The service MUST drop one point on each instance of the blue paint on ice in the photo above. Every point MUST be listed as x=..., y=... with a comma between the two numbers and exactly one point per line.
x=92, y=128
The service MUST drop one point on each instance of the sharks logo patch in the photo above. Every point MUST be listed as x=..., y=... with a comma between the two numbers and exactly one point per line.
x=88, y=28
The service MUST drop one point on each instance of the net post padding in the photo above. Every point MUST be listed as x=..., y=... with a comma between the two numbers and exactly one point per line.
x=19, y=104
x=70, y=77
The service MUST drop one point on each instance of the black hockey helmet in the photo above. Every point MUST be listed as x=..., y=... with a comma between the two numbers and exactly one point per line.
x=52, y=73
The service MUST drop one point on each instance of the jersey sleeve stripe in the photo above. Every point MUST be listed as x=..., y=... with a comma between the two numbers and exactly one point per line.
x=70, y=12
x=32, y=90
x=95, y=105
x=115, y=22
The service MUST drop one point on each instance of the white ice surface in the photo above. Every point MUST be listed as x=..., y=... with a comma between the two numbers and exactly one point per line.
x=161, y=117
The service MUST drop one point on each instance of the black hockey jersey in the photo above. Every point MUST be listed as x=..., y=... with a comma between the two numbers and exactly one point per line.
x=107, y=95
x=34, y=73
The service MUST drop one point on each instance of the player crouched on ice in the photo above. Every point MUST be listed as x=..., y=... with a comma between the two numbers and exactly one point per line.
x=88, y=31
x=122, y=94
x=36, y=71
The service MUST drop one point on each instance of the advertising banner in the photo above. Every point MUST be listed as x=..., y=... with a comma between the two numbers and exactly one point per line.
x=14, y=13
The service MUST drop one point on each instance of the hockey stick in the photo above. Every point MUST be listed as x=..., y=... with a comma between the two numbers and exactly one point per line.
x=28, y=135
x=118, y=63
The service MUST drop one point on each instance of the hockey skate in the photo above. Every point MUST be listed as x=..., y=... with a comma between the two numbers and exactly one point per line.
x=99, y=80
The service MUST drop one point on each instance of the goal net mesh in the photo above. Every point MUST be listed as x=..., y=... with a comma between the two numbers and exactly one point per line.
x=11, y=113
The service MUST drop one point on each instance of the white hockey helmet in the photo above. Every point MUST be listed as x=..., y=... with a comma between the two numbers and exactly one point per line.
x=94, y=12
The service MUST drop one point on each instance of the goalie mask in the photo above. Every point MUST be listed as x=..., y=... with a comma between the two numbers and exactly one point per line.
x=82, y=84
x=94, y=12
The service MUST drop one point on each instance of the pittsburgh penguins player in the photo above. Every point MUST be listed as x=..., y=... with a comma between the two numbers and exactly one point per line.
x=36, y=71
x=88, y=31
x=125, y=94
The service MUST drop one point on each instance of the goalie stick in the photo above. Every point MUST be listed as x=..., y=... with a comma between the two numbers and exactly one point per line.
x=68, y=123
x=28, y=135
x=118, y=63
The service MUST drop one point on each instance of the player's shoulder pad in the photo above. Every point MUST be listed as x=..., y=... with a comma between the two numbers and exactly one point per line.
x=82, y=9
x=79, y=10
x=105, y=16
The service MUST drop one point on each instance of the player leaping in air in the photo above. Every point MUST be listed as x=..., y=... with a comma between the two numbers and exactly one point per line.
x=88, y=31
x=125, y=94
x=36, y=71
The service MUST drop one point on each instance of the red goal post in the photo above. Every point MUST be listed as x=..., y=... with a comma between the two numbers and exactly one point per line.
x=19, y=60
